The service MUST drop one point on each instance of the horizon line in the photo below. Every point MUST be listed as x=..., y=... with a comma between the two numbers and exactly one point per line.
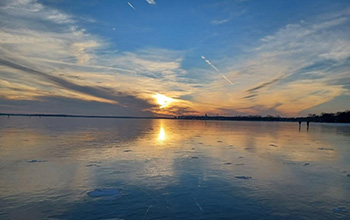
x=82, y=116
x=152, y=117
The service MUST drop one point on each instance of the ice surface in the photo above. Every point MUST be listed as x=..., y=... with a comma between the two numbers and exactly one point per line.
x=104, y=193
x=164, y=174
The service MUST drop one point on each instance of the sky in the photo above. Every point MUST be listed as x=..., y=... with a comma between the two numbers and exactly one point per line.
x=175, y=57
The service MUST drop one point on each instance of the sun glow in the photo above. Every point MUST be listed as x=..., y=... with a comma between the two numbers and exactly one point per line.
x=163, y=100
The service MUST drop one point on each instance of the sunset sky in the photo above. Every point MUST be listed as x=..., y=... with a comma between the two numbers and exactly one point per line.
x=174, y=57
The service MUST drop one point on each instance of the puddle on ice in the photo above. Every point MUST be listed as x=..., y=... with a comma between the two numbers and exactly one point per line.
x=339, y=210
x=36, y=161
x=94, y=164
x=322, y=148
x=112, y=219
x=243, y=177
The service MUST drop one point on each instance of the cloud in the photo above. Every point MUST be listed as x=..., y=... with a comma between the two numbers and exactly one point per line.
x=66, y=105
x=151, y=2
x=35, y=10
x=264, y=85
x=298, y=66
x=105, y=94
x=230, y=11
x=340, y=103
x=220, y=21
x=250, y=96
x=79, y=49
x=311, y=55
x=253, y=92
x=263, y=110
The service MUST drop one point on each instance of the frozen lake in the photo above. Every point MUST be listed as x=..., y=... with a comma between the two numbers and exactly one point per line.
x=80, y=168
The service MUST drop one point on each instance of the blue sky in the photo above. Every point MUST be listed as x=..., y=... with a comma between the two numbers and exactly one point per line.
x=229, y=57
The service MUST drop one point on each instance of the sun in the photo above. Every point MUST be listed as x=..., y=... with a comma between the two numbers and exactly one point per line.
x=163, y=100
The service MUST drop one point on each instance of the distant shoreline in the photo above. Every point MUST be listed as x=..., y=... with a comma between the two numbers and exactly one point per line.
x=77, y=116
x=340, y=117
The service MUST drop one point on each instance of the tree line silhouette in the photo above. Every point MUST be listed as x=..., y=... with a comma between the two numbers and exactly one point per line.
x=339, y=117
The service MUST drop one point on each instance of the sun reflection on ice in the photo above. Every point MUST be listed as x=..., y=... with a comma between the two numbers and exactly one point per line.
x=161, y=135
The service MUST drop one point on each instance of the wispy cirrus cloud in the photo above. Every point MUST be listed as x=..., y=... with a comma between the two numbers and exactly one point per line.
x=303, y=52
x=253, y=92
x=220, y=21
x=35, y=10
x=106, y=95
x=232, y=14
x=291, y=70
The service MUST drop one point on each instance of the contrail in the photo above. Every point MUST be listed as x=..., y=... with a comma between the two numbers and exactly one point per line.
x=131, y=6
x=208, y=62
x=216, y=69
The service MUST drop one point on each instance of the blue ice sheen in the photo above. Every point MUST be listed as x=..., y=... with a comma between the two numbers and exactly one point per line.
x=104, y=193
